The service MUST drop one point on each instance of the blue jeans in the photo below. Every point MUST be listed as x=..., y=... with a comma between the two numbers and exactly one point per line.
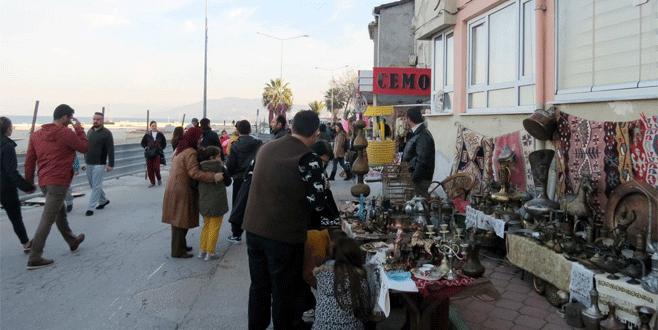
x=276, y=282
x=95, y=177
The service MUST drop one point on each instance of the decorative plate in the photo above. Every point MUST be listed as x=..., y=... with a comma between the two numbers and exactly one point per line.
x=416, y=273
x=638, y=197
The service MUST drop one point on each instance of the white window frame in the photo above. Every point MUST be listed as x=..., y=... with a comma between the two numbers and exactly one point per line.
x=613, y=92
x=521, y=80
x=445, y=88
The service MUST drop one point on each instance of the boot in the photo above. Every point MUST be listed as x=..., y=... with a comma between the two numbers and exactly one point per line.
x=332, y=177
x=348, y=175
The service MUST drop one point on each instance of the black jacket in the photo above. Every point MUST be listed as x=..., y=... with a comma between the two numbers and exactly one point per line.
x=159, y=138
x=11, y=178
x=281, y=132
x=211, y=138
x=243, y=151
x=419, y=153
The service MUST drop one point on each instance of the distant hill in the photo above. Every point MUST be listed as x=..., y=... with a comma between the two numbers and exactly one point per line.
x=224, y=109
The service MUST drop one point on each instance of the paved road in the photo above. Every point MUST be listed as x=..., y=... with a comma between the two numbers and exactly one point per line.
x=123, y=277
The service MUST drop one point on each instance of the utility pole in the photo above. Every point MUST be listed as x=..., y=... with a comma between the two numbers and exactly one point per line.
x=205, y=66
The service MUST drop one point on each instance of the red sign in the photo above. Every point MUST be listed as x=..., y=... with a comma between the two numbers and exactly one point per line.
x=401, y=81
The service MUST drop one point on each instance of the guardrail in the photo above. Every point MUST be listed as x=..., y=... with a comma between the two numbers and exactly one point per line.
x=128, y=160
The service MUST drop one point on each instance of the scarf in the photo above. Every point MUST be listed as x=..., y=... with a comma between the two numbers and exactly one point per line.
x=190, y=139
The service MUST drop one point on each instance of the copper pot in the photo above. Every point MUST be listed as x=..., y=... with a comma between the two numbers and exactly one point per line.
x=540, y=125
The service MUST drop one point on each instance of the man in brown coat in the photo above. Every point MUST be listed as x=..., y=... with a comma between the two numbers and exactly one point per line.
x=287, y=185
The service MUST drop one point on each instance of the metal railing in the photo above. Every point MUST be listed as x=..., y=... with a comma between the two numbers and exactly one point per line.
x=128, y=160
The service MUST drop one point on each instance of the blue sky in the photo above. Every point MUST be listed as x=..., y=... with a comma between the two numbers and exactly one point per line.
x=151, y=52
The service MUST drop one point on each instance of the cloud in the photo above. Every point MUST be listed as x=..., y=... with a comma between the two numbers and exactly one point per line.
x=96, y=21
x=190, y=26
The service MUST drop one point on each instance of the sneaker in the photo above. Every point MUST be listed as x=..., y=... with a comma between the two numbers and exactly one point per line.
x=211, y=256
x=89, y=213
x=39, y=263
x=69, y=208
x=235, y=239
x=74, y=247
x=101, y=206
x=151, y=185
x=159, y=182
x=201, y=254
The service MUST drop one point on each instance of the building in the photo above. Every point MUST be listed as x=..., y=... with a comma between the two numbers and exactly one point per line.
x=494, y=62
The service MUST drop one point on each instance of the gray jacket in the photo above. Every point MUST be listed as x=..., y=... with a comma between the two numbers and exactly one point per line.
x=213, y=201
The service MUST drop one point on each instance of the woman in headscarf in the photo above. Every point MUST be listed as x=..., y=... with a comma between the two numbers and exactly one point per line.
x=180, y=207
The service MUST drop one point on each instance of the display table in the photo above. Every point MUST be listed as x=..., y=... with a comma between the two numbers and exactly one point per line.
x=551, y=267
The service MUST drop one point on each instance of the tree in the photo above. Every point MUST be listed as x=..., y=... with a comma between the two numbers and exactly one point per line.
x=277, y=98
x=344, y=91
x=316, y=106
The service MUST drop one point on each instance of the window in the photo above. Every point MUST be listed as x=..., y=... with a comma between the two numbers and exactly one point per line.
x=501, y=59
x=606, y=50
x=443, y=72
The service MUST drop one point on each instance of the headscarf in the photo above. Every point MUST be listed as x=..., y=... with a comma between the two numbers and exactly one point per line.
x=190, y=139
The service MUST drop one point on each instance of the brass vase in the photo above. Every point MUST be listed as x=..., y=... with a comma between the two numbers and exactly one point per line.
x=612, y=323
x=473, y=267
x=540, y=163
x=645, y=314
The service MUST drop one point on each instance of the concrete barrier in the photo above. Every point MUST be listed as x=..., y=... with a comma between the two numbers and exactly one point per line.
x=128, y=160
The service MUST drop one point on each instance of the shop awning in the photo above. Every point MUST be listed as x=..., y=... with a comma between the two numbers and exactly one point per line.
x=378, y=111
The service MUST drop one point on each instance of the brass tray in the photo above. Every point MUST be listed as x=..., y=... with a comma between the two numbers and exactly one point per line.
x=637, y=196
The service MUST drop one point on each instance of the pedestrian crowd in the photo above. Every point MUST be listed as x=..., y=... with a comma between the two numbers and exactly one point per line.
x=299, y=260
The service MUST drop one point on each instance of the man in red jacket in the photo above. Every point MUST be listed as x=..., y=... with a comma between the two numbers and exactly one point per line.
x=52, y=149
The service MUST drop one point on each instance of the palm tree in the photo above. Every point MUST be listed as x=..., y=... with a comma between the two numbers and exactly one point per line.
x=316, y=106
x=277, y=98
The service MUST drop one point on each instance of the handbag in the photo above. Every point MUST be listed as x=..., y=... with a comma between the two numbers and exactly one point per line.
x=150, y=152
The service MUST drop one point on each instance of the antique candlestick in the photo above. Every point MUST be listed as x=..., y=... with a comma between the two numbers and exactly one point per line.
x=360, y=166
x=541, y=205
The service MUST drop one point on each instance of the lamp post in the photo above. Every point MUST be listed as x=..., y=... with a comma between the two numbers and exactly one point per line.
x=205, y=66
x=332, y=86
x=281, y=65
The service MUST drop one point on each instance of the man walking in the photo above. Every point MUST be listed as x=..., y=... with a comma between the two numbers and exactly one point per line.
x=419, y=152
x=278, y=126
x=288, y=184
x=101, y=151
x=52, y=149
x=243, y=151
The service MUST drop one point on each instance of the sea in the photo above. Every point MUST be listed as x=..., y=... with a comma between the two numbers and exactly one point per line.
x=47, y=119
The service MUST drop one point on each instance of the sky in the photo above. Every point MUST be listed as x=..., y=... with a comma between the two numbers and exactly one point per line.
x=151, y=53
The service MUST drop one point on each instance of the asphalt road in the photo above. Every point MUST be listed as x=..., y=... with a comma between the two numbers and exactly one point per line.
x=123, y=276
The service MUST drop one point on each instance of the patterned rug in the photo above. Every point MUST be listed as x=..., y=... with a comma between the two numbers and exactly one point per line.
x=473, y=155
x=522, y=144
x=644, y=149
x=600, y=150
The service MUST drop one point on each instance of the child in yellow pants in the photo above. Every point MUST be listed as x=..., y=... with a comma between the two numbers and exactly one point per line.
x=213, y=202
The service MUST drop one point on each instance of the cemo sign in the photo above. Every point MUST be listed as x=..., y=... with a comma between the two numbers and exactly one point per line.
x=401, y=81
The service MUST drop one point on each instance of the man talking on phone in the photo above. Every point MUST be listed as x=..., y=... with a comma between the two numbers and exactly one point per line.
x=52, y=149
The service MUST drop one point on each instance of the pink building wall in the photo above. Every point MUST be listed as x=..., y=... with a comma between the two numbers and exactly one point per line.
x=545, y=49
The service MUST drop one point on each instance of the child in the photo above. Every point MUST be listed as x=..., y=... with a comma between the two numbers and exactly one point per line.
x=213, y=203
x=343, y=300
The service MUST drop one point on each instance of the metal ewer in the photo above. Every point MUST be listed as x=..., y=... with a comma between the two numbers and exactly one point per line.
x=540, y=163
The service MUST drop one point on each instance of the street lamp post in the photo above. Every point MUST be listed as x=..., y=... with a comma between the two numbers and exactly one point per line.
x=332, y=86
x=281, y=64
